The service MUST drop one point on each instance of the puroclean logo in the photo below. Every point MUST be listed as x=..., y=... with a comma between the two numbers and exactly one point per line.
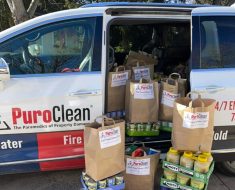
x=171, y=184
x=172, y=167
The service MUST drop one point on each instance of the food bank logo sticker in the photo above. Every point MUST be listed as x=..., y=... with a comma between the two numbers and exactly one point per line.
x=4, y=125
x=143, y=91
x=110, y=137
x=141, y=73
x=168, y=98
x=119, y=79
x=138, y=167
x=195, y=120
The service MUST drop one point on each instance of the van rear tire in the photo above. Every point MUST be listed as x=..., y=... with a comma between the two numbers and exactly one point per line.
x=227, y=167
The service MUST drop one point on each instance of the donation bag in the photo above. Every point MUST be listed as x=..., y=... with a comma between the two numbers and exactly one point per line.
x=142, y=101
x=193, y=124
x=169, y=91
x=104, y=148
x=116, y=88
x=182, y=83
x=141, y=172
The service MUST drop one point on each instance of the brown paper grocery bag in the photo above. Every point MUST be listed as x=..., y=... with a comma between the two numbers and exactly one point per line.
x=181, y=82
x=193, y=124
x=140, y=172
x=104, y=148
x=143, y=60
x=169, y=91
x=116, y=89
x=142, y=101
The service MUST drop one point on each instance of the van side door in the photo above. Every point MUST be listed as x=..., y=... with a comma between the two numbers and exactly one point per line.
x=213, y=69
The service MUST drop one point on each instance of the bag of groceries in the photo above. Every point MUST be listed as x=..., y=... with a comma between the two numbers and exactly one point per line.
x=104, y=147
x=169, y=91
x=116, y=88
x=141, y=104
x=141, y=168
x=142, y=59
x=171, y=88
x=181, y=82
x=193, y=124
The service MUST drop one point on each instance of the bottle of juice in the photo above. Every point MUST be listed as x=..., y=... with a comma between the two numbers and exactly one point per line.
x=172, y=156
x=209, y=156
x=197, y=184
x=202, y=164
x=186, y=161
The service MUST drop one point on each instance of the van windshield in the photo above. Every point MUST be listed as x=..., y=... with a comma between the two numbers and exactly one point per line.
x=217, y=43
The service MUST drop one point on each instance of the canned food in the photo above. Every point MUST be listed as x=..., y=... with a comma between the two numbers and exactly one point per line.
x=102, y=184
x=91, y=184
x=164, y=123
x=170, y=124
x=132, y=127
x=119, y=179
x=110, y=181
x=113, y=114
x=148, y=127
x=86, y=178
x=155, y=127
x=140, y=127
x=119, y=114
x=83, y=174
x=108, y=114
x=128, y=126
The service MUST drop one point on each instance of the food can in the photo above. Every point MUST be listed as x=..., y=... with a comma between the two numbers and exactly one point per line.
x=119, y=114
x=119, y=179
x=155, y=127
x=113, y=114
x=164, y=123
x=86, y=178
x=140, y=127
x=83, y=174
x=132, y=127
x=102, y=184
x=108, y=114
x=148, y=127
x=91, y=184
x=111, y=181
x=128, y=126
x=170, y=124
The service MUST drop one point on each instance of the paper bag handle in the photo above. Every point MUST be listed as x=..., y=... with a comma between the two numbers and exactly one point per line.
x=121, y=66
x=176, y=74
x=103, y=117
x=141, y=80
x=198, y=98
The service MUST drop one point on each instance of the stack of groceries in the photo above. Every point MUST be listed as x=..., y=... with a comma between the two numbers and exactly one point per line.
x=115, y=182
x=189, y=163
x=138, y=105
x=186, y=170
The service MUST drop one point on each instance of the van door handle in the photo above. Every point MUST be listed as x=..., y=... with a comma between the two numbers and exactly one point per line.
x=85, y=93
x=209, y=89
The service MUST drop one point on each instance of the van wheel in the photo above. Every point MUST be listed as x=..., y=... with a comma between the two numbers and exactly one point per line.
x=227, y=168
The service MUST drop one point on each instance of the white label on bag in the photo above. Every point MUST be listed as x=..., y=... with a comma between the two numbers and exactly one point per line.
x=141, y=73
x=168, y=98
x=110, y=137
x=119, y=79
x=138, y=167
x=143, y=91
x=196, y=120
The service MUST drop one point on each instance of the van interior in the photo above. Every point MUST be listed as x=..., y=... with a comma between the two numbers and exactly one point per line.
x=167, y=40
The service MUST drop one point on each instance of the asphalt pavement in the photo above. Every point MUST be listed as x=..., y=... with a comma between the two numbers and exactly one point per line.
x=70, y=180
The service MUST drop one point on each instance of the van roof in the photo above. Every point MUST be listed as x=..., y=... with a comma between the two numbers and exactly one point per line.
x=142, y=4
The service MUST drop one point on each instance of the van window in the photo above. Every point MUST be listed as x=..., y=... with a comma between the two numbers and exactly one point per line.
x=55, y=48
x=217, y=47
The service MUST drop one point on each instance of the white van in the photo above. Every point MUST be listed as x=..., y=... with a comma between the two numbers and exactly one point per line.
x=53, y=72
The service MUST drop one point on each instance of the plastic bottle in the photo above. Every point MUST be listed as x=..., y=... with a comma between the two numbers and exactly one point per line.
x=202, y=164
x=197, y=184
x=209, y=157
x=186, y=161
x=172, y=156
